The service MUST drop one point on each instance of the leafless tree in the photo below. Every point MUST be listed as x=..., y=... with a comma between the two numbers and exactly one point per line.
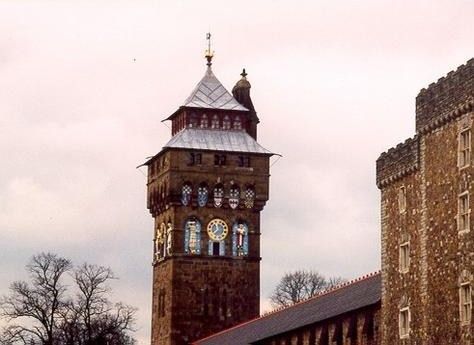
x=299, y=285
x=42, y=313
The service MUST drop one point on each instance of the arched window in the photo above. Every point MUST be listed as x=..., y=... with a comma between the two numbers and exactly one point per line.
x=186, y=192
x=192, y=236
x=215, y=122
x=218, y=195
x=249, y=197
x=234, y=196
x=204, y=121
x=240, y=239
x=202, y=195
x=226, y=122
x=193, y=120
x=237, y=123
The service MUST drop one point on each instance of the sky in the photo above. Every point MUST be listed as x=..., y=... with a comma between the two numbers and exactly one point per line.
x=85, y=85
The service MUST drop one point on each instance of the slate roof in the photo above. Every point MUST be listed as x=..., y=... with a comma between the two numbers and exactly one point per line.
x=209, y=93
x=352, y=296
x=216, y=139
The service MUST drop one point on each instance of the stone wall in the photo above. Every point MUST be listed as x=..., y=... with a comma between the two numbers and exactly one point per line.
x=427, y=168
x=446, y=98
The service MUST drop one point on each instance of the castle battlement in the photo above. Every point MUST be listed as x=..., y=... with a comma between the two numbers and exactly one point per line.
x=448, y=98
x=398, y=161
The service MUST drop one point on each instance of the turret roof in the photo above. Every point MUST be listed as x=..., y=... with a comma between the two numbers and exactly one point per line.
x=210, y=93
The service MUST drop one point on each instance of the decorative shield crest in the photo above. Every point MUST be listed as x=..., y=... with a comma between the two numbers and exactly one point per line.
x=186, y=194
x=249, y=197
x=202, y=196
x=234, y=196
x=218, y=195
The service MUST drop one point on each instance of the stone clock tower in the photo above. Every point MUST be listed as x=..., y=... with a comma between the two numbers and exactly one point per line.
x=206, y=189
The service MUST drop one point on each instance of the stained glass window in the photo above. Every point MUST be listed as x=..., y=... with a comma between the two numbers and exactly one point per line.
x=186, y=191
x=192, y=236
x=240, y=239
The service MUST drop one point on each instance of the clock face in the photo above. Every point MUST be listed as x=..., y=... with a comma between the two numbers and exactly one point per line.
x=217, y=229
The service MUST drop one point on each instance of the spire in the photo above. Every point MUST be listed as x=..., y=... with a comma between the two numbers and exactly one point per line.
x=209, y=52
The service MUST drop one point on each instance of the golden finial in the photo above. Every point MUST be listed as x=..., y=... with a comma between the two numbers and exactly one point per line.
x=209, y=52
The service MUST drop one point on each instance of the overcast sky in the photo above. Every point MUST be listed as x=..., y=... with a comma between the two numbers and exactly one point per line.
x=84, y=86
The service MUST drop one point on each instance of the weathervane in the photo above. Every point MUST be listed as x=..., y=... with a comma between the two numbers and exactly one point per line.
x=209, y=52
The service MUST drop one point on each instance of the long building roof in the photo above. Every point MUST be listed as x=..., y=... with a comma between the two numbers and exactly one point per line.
x=348, y=297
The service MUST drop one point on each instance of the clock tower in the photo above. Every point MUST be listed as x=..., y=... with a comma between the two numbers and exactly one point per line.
x=206, y=189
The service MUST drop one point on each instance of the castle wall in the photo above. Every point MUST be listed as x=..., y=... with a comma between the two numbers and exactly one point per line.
x=427, y=168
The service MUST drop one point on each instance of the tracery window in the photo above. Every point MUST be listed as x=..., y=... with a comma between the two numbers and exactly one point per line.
x=186, y=192
x=192, y=236
x=204, y=121
x=240, y=239
x=237, y=123
x=202, y=195
x=234, y=196
x=218, y=195
x=215, y=121
x=226, y=122
x=249, y=197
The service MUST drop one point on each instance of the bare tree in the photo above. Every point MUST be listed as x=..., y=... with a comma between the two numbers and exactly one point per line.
x=299, y=285
x=40, y=302
x=46, y=315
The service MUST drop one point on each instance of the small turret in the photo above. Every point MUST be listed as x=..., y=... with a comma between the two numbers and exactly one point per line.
x=241, y=92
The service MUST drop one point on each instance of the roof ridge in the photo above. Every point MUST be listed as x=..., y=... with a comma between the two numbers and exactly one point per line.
x=277, y=310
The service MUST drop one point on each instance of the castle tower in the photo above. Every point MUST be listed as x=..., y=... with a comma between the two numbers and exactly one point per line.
x=427, y=242
x=206, y=189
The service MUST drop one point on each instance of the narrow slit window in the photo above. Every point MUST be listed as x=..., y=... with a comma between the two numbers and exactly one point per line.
x=463, y=212
x=465, y=295
x=404, y=257
x=464, y=154
x=404, y=322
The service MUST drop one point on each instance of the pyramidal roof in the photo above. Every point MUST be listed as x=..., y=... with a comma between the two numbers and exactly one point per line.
x=210, y=93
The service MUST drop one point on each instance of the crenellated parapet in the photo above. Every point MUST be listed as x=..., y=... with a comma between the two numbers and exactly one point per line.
x=398, y=162
x=448, y=98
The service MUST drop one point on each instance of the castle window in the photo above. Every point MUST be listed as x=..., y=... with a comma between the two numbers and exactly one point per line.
x=219, y=160
x=237, y=123
x=215, y=122
x=464, y=153
x=195, y=158
x=193, y=120
x=404, y=322
x=463, y=212
x=161, y=303
x=192, y=236
x=240, y=239
x=402, y=199
x=244, y=161
x=404, y=256
x=234, y=196
x=204, y=121
x=465, y=302
x=249, y=197
x=186, y=191
x=202, y=195
x=226, y=122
